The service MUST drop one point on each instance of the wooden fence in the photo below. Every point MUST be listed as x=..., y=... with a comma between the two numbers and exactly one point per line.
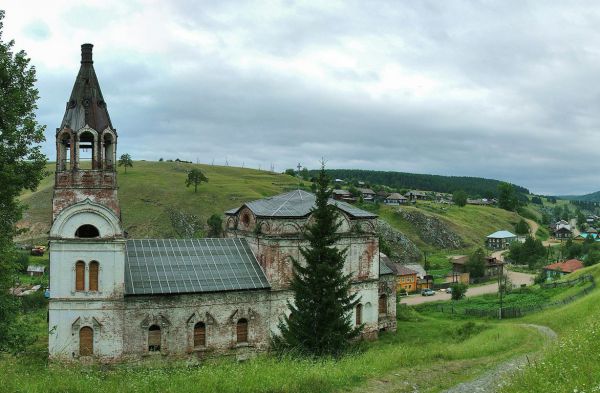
x=516, y=312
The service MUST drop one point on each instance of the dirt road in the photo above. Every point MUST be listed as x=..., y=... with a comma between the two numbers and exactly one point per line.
x=516, y=277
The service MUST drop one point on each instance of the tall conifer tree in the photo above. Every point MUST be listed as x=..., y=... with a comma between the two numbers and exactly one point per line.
x=320, y=319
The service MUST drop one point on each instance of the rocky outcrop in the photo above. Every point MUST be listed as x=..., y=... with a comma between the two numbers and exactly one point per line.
x=402, y=249
x=432, y=230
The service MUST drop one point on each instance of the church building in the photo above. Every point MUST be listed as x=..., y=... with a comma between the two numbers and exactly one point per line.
x=114, y=298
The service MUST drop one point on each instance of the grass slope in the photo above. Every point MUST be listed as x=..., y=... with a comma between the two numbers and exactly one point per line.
x=149, y=189
x=421, y=353
x=471, y=223
x=573, y=364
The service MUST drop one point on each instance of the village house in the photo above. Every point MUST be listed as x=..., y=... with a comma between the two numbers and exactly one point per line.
x=112, y=298
x=343, y=195
x=562, y=230
x=368, y=195
x=500, y=240
x=395, y=199
x=493, y=266
x=415, y=195
x=560, y=269
x=406, y=278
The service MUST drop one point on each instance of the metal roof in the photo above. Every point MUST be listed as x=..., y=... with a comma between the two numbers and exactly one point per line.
x=502, y=235
x=297, y=203
x=86, y=104
x=384, y=269
x=173, y=266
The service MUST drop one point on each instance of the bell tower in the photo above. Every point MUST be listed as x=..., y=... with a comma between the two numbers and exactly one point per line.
x=87, y=244
x=86, y=145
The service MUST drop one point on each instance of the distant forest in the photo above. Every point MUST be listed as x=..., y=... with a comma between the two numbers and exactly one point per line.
x=473, y=186
x=593, y=197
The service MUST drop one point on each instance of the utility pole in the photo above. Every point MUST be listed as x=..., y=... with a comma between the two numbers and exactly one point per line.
x=500, y=289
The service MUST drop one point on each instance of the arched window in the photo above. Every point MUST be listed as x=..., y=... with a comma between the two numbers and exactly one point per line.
x=94, y=270
x=242, y=331
x=246, y=219
x=154, y=338
x=109, y=151
x=80, y=276
x=359, y=314
x=199, y=335
x=86, y=156
x=87, y=231
x=86, y=341
x=383, y=304
x=64, y=151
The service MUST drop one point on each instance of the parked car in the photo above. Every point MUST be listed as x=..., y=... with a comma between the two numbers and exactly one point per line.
x=448, y=290
x=427, y=292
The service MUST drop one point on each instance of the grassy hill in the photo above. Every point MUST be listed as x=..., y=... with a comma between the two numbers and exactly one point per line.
x=150, y=191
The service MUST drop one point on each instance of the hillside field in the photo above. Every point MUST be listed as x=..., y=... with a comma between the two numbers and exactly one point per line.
x=149, y=189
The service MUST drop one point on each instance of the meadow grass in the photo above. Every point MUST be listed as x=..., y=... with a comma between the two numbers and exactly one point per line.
x=573, y=363
x=149, y=189
x=420, y=344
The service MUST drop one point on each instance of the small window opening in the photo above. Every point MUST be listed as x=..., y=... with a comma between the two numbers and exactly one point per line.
x=80, y=276
x=87, y=231
x=359, y=314
x=242, y=331
x=383, y=304
x=154, y=338
x=109, y=152
x=94, y=270
x=246, y=219
x=200, y=335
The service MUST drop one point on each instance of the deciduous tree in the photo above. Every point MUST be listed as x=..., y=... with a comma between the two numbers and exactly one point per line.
x=125, y=161
x=195, y=177
x=459, y=198
x=21, y=167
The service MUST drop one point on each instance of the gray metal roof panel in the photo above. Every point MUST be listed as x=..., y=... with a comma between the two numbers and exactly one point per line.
x=384, y=269
x=297, y=203
x=172, y=266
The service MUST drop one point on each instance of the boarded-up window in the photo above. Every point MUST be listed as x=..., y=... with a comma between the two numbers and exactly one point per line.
x=359, y=314
x=94, y=269
x=242, y=331
x=154, y=338
x=200, y=335
x=383, y=303
x=80, y=276
x=86, y=341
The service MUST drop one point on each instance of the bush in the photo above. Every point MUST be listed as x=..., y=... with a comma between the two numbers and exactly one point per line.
x=22, y=261
x=459, y=290
x=33, y=302
x=468, y=330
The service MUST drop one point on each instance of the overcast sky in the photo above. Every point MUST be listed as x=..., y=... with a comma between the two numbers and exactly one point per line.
x=505, y=90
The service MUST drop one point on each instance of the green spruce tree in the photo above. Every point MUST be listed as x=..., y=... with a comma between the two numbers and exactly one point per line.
x=320, y=319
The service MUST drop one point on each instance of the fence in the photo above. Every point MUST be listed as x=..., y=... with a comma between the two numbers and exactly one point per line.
x=516, y=312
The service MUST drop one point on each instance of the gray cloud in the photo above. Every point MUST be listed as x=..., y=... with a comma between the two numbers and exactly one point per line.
x=504, y=90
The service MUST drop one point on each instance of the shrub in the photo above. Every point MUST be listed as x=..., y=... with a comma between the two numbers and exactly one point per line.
x=459, y=290
x=468, y=330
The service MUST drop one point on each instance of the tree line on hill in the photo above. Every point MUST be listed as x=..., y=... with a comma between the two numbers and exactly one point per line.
x=473, y=186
